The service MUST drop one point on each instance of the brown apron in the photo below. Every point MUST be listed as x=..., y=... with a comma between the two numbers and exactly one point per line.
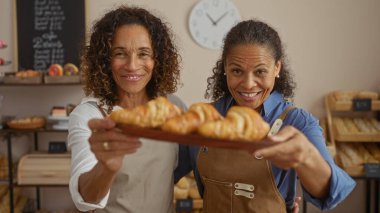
x=237, y=181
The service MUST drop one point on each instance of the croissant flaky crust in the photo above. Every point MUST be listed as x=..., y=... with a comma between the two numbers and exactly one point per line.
x=240, y=123
x=152, y=114
x=188, y=122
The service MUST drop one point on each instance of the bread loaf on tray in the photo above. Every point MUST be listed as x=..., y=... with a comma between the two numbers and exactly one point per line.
x=188, y=122
x=240, y=123
x=152, y=114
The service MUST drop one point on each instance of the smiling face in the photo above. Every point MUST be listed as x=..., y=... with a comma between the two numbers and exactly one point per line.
x=132, y=60
x=251, y=71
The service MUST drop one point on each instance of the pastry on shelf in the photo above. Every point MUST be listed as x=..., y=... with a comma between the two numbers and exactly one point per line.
x=70, y=69
x=181, y=189
x=58, y=111
x=28, y=74
x=32, y=122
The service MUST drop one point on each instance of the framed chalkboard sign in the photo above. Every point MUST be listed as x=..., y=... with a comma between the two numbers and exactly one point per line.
x=49, y=32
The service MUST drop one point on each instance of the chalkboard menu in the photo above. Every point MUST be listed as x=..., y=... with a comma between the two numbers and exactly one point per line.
x=49, y=32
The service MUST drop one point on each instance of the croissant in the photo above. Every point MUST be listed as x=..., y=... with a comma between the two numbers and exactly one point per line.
x=240, y=123
x=152, y=114
x=188, y=122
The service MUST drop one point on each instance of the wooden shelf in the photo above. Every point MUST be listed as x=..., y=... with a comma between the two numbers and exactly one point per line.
x=347, y=105
x=40, y=84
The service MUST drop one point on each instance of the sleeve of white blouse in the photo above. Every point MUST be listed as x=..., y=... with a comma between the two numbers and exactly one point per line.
x=82, y=159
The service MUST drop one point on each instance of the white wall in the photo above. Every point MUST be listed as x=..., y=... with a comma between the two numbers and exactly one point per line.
x=330, y=45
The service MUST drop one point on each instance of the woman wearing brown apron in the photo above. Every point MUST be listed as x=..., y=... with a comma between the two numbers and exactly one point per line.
x=252, y=72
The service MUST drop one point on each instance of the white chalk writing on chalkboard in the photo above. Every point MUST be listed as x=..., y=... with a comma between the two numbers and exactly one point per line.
x=47, y=46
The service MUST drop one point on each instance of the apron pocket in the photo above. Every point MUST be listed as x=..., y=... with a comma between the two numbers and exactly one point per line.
x=215, y=191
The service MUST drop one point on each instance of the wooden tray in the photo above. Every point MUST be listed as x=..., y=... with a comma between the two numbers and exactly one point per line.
x=20, y=80
x=32, y=125
x=192, y=139
x=62, y=79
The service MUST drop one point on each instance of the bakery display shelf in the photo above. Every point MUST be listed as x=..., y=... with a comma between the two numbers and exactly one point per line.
x=10, y=79
x=2, y=84
x=336, y=105
x=46, y=129
x=344, y=136
x=74, y=79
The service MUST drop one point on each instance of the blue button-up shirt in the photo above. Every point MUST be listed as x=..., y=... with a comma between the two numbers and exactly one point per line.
x=341, y=184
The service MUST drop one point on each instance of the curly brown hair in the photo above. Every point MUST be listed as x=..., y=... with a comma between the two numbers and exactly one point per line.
x=250, y=32
x=96, y=56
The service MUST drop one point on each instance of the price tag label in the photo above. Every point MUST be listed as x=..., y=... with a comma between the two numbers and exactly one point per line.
x=57, y=147
x=372, y=170
x=184, y=205
x=361, y=104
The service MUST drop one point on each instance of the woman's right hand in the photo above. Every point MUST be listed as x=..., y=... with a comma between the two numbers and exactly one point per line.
x=110, y=144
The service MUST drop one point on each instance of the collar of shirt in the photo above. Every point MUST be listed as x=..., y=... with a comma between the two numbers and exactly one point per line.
x=272, y=107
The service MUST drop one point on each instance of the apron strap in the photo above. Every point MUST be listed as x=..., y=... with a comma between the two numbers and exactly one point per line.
x=285, y=112
x=102, y=111
x=278, y=122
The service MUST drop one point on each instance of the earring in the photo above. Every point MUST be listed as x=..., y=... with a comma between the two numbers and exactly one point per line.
x=224, y=73
x=277, y=76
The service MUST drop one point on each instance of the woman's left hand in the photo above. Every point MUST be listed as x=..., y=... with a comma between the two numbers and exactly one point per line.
x=292, y=149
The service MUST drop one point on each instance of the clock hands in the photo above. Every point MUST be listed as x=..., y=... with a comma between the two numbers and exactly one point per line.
x=217, y=21
x=212, y=20
x=220, y=18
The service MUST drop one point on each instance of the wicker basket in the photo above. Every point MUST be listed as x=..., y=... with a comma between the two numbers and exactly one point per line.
x=27, y=123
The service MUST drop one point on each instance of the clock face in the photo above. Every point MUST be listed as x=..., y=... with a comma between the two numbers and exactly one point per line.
x=210, y=20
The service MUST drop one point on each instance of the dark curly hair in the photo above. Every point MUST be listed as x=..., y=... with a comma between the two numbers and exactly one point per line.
x=250, y=32
x=96, y=56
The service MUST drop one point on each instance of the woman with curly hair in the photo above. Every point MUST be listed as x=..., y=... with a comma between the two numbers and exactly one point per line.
x=252, y=72
x=130, y=59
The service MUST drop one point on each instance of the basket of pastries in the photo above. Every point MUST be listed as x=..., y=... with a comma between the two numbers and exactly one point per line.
x=32, y=122
x=24, y=77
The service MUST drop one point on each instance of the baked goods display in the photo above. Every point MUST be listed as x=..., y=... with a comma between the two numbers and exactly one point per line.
x=356, y=129
x=55, y=70
x=23, y=77
x=57, y=74
x=32, y=122
x=352, y=156
x=240, y=123
x=70, y=69
x=350, y=95
x=153, y=114
x=19, y=200
x=188, y=122
x=4, y=167
x=186, y=188
x=181, y=189
x=28, y=74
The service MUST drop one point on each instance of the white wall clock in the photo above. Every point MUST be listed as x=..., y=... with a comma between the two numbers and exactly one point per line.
x=210, y=20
